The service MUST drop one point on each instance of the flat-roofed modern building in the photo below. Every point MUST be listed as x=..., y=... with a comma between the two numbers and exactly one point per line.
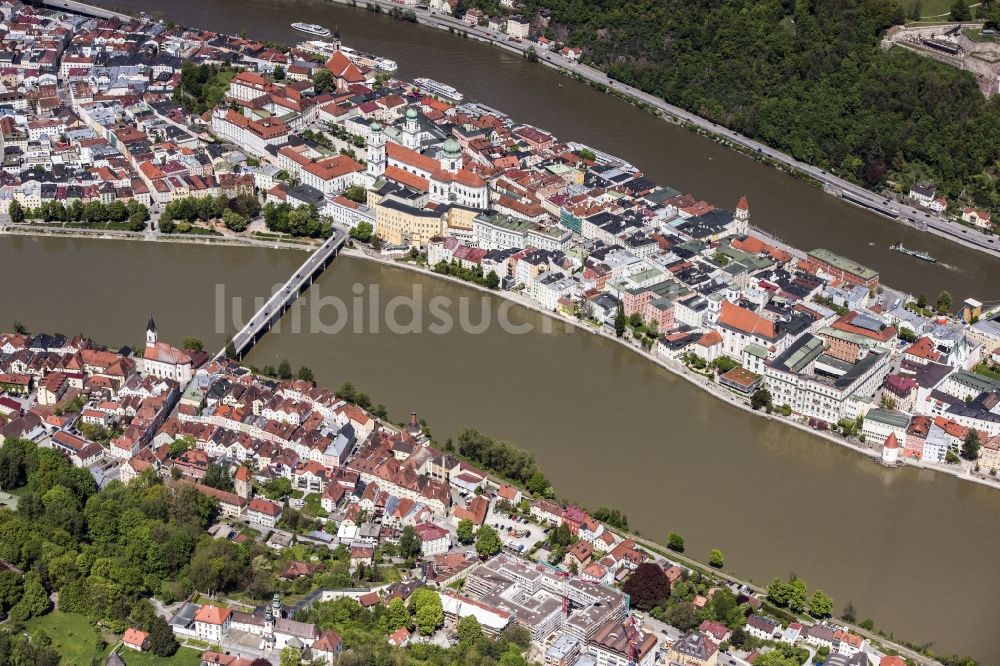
x=844, y=268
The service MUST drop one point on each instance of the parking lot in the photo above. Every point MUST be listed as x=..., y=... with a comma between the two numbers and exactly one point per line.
x=501, y=522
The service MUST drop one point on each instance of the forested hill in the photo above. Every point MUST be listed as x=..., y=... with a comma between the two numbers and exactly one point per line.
x=805, y=76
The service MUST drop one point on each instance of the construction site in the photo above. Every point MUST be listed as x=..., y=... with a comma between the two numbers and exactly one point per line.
x=966, y=46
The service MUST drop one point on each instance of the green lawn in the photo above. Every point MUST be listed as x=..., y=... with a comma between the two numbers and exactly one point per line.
x=203, y=231
x=313, y=506
x=73, y=636
x=987, y=370
x=389, y=574
x=183, y=657
x=934, y=8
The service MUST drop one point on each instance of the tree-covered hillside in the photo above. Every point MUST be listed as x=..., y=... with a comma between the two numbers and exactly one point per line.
x=805, y=76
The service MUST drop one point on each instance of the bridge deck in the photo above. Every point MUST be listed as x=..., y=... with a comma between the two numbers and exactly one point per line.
x=84, y=8
x=281, y=300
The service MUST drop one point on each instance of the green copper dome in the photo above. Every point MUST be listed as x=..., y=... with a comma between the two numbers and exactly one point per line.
x=411, y=114
x=452, y=146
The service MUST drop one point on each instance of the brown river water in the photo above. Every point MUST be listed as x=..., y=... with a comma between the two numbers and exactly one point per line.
x=607, y=427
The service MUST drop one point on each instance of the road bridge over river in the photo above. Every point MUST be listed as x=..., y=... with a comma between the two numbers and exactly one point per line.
x=84, y=8
x=283, y=299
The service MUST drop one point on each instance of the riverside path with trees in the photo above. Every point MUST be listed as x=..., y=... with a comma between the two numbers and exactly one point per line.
x=807, y=78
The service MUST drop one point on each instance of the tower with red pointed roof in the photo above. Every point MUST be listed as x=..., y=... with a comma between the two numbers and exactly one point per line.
x=890, y=450
x=742, y=218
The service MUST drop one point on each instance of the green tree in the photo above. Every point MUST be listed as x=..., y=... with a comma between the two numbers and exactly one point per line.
x=944, y=302
x=778, y=656
x=409, y=542
x=468, y=630
x=971, y=445
x=284, y=369
x=323, y=81
x=16, y=211
x=492, y=280
x=277, y=488
x=465, y=531
x=796, y=594
x=613, y=517
x=675, y=542
x=362, y=231
x=517, y=635
x=428, y=614
x=192, y=343
x=234, y=221
x=279, y=73
x=290, y=656
x=10, y=590
x=723, y=607
x=34, y=599
x=537, y=484
x=18, y=649
x=850, y=613
x=778, y=592
x=512, y=657
x=20, y=328
x=305, y=374
x=960, y=11
x=216, y=476
x=487, y=541
x=230, y=351
x=587, y=154
x=761, y=398
x=75, y=210
x=820, y=605
x=396, y=614
x=716, y=558
x=620, y=321
x=162, y=642
x=683, y=615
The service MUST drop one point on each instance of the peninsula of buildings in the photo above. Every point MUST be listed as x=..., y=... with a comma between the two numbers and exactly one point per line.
x=337, y=525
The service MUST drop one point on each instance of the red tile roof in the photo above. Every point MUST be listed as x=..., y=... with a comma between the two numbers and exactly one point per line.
x=748, y=322
x=211, y=614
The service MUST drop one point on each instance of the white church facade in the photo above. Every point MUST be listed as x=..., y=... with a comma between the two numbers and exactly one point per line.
x=160, y=359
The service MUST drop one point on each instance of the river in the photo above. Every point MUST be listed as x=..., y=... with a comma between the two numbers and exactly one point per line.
x=607, y=427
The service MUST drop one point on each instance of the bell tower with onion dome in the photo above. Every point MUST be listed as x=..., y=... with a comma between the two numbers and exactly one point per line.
x=376, y=151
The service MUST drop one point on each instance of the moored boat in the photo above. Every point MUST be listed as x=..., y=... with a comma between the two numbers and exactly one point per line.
x=432, y=87
x=919, y=254
x=312, y=29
